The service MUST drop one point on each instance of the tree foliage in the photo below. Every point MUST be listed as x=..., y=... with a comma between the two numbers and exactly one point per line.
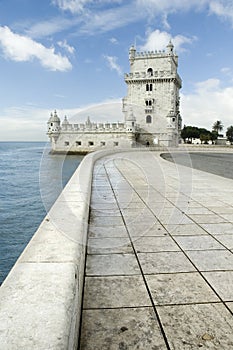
x=188, y=133
x=217, y=126
x=229, y=134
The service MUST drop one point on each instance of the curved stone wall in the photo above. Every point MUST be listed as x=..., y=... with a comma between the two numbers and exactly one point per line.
x=40, y=300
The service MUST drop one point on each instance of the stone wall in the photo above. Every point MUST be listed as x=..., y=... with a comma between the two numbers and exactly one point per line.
x=40, y=300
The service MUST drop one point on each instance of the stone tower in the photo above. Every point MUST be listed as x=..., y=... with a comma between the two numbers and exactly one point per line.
x=153, y=96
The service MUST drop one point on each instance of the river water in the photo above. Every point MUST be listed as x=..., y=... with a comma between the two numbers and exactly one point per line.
x=31, y=179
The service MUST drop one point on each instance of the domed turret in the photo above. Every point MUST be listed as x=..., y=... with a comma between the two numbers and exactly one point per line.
x=54, y=123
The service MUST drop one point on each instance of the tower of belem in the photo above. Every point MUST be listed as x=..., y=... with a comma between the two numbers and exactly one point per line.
x=153, y=96
x=151, y=110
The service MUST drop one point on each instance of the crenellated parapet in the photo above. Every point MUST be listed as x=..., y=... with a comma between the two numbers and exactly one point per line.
x=158, y=75
x=87, y=126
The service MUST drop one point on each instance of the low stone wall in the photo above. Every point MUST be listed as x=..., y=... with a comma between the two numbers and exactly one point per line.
x=40, y=300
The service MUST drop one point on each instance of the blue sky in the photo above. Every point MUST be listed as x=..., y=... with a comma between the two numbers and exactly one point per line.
x=71, y=55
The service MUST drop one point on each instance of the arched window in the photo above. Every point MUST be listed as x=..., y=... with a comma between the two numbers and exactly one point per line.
x=149, y=87
x=148, y=119
x=150, y=71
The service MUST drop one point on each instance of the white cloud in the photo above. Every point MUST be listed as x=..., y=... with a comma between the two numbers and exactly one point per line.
x=113, y=41
x=29, y=123
x=222, y=8
x=169, y=6
x=112, y=62
x=77, y=6
x=112, y=18
x=158, y=40
x=209, y=102
x=47, y=28
x=22, y=49
x=63, y=44
x=94, y=15
x=105, y=111
x=74, y=6
x=24, y=123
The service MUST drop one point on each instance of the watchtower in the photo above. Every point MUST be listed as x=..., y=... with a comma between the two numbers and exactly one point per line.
x=153, y=86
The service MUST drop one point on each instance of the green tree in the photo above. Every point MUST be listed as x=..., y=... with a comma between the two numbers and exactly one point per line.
x=229, y=134
x=217, y=126
x=189, y=133
x=213, y=136
x=205, y=138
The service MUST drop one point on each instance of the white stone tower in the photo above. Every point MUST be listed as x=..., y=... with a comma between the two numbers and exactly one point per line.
x=153, y=96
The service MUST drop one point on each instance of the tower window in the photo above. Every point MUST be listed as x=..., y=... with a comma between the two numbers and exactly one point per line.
x=115, y=143
x=150, y=71
x=149, y=87
x=67, y=143
x=148, y=102
x=148, y=119
x=90, y=143
x=78, y=143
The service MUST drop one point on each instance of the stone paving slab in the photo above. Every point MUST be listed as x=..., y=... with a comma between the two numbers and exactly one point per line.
x=198, y=242
x=221, y=282
x=113, y=292
x=155, y=244
x=109, y=245
x=175, y=289
x=129, y=328
x=107, y=231
x=197, y=326
x=165, y=262
x=112, y=264
x=210, y=260
x=226, y=240
x=159, y=267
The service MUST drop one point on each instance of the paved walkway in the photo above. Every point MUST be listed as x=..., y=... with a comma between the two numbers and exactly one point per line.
x=159, y=270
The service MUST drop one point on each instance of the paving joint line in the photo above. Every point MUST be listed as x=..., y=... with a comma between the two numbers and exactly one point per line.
x=201, y=274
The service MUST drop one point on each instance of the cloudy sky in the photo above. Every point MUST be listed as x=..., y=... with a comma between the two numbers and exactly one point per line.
x=71, y=55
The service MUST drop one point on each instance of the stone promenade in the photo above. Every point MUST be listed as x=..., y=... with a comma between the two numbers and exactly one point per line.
x=159, y=268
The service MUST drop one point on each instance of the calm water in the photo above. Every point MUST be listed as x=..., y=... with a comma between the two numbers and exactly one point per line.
x=31, y=180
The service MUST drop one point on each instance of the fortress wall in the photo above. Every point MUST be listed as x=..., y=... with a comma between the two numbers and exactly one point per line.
x=40, y=300
x=90, y=141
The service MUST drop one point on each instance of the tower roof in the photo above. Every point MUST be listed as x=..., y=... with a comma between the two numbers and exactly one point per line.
x=54, y=117
x=65, y=121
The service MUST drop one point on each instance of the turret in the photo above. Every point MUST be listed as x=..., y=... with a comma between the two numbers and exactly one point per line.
x=170, y=48
x=53, y=123
x=65, y=123
x=130, y=122
x=132, y=54
x=88, y=123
